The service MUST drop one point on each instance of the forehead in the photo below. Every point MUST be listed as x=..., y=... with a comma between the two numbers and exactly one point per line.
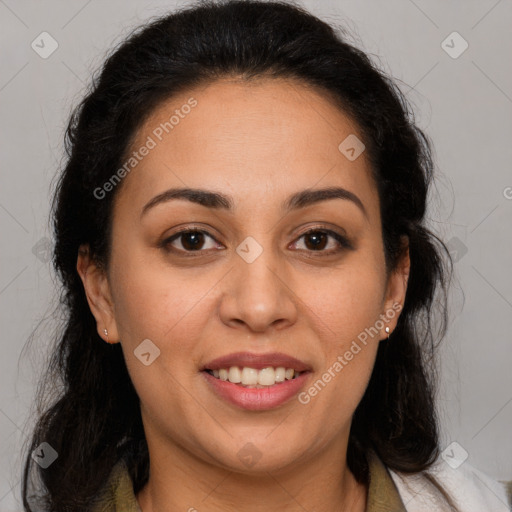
x=249, y=137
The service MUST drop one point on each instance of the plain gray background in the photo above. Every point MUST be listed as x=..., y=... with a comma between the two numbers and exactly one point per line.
x=464, y=104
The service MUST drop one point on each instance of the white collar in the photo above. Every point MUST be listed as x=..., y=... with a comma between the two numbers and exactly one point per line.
x=470, y=490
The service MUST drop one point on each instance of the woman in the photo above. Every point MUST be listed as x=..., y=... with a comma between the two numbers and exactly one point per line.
x=249, y=281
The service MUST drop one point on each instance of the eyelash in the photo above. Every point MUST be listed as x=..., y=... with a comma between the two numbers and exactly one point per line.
x=343, y=241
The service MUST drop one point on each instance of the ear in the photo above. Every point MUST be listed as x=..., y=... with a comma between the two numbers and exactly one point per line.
x=97, y=291
x=396, y=289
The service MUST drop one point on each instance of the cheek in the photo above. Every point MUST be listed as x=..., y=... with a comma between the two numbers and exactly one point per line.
x=155, y=301
x=346, y=309
x=349, y=347
x=171, y=309
x=347, y=300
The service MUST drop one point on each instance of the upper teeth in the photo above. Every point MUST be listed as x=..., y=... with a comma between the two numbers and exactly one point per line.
x=250, y=376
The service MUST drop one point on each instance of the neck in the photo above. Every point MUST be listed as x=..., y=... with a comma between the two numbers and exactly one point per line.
x=181, y=481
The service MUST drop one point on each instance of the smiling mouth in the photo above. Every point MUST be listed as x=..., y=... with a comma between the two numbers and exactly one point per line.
x=252, y=378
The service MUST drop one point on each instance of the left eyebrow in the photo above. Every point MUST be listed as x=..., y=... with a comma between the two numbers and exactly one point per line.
x=311, y=196
x=216, y=200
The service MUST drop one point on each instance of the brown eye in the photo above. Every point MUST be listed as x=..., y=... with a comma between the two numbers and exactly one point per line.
x=316, y=240
x=190, y=241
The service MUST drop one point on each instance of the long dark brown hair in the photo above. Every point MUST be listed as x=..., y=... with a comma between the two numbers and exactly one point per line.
x=95, y=421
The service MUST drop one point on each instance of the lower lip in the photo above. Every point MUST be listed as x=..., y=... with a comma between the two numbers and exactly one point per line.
x=256, y=399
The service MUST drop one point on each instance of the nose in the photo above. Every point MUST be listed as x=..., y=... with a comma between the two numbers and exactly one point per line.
x=258, y=295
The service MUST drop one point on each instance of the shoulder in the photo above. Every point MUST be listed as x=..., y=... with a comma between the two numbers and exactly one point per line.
x=469, y=489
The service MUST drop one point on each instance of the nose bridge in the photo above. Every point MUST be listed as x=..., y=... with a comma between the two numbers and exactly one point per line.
x=259, y=295
x=256, y=266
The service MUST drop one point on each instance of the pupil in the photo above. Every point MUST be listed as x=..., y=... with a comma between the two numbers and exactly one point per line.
x=196, y=238
x=319, y=237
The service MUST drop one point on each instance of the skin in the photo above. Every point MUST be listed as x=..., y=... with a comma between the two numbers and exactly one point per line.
x=257, y=142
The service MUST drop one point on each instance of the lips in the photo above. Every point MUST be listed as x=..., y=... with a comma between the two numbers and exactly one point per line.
x=257, y=361
x=256, y=399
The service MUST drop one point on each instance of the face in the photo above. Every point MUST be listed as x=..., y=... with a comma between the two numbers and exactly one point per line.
x=207, y=279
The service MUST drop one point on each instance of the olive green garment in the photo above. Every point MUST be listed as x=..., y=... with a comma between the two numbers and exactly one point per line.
x=383, y=495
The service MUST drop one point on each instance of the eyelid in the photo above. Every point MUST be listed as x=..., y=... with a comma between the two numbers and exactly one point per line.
x=342, y=239
x=165, y=243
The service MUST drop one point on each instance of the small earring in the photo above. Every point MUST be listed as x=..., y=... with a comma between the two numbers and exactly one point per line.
x=387, y=331
x=106, y=334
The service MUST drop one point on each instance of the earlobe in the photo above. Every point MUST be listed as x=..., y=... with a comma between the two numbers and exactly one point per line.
x=397, y=289
x=97, y=291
